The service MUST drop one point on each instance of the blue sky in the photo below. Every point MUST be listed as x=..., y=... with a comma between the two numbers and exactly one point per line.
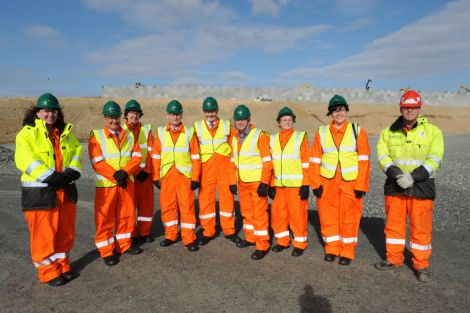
x=72, y=48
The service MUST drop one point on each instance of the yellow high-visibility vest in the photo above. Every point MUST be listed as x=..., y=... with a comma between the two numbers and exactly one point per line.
x=35, y=156
x=287, y=163
x=176, y=154
x=113, y=155
x=143, y=138
x=248, y=161
x=346, y=156
x=210, y=145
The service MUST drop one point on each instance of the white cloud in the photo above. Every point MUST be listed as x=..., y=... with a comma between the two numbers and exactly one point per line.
x=359, y=24
x=193, y=38
x=434, y=45
x=267, y=7
x=354, y=7
x=49, y=36
x=165, y=14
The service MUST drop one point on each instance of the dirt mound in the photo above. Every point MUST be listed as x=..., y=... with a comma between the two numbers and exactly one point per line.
x=85, y=114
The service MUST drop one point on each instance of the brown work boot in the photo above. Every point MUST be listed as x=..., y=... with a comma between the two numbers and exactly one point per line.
x=386, y=265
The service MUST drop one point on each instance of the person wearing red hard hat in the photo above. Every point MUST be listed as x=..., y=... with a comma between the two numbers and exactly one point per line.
x=409, y=152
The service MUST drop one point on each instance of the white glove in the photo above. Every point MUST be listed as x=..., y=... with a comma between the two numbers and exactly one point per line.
x=405, y=180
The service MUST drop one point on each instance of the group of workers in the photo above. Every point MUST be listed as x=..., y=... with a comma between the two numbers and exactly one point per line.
x=214, y=155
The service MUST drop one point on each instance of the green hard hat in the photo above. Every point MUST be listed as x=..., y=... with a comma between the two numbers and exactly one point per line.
x=241, y=112
x=47, y=101
x=174, y=107
x=337, y=101
x=210, y=105
x=111, y=108
x=285, y=111
x=132, y=105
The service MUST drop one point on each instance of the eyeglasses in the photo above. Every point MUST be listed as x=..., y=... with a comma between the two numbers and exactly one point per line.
x=340, y=109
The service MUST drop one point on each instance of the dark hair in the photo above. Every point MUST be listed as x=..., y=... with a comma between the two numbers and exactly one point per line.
x=30, y=116
x=335, y=107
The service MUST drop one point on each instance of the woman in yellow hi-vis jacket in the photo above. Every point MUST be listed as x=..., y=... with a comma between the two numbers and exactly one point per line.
x=340, y=171
x=50, y=157
x=290, y=153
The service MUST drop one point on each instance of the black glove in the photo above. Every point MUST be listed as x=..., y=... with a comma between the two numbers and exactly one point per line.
x=272, y=193
x=359, y=194
x=71, y=174
x=157, y=184
x=303, y=192
x=233, y=189
x=72, y=192
x=262, y=190
x=194, y=185
x=120, y=175
x=142, y=176
x=57, y=180
x=318, y=192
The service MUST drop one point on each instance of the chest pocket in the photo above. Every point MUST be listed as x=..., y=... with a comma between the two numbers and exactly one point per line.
x=396, y=144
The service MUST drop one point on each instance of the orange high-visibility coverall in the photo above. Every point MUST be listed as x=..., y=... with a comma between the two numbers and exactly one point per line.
x=143, y=191
x=338, y=208
x=176, y=195
x=114, y=206
x=254, y=209
x=287, y=209
x=214, y=175
x=52, y=231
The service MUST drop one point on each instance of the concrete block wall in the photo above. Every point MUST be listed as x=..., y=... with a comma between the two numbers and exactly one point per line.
x=320, y=95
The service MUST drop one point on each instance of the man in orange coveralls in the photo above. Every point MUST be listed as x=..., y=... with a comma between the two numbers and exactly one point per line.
x=213, y=134
x=176, y=169
x=143, y=186
x=115, y=157
x=340, y=171
x=290, y=189
x=252, y=167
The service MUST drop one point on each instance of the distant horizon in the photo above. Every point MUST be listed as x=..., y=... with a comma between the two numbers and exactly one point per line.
x=74, y=47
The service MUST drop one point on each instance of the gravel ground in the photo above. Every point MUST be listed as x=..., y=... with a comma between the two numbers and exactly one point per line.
x=453, y=192
x=222, y=278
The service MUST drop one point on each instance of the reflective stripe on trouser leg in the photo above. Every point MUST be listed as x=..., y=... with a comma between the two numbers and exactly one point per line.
x=125, y=218
x=420, y=215
x=226, y=200
x=280, y=217
x=145, y=201
x=350, y=212
x=260, y=220
x=206, y=199
x=185, y=198
x=395, y=228
x=298, y=218
x=42, y=225
x=328, y=213
x=106, y=201
x=169, y=204
x=66, y=230
x=246, y=210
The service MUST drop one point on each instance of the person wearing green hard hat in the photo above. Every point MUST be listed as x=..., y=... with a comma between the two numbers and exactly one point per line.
x=176, y=169
x=213, y=133
x=115, y=156
x=340, y=174
x=290, y=189
x=50, y=158
x=251, y=167
x=143, y=185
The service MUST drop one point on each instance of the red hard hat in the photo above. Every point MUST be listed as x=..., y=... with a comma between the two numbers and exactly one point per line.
x=410, y=99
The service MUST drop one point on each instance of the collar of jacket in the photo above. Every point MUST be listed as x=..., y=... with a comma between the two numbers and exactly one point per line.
x=41, y=125
x=399, y=124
